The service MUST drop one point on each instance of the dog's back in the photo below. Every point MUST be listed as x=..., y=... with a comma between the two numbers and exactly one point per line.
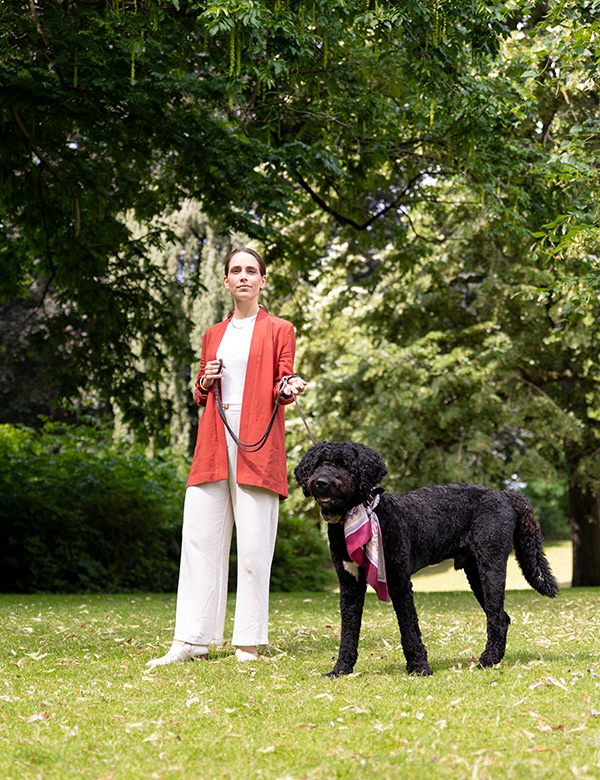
x=447, y=521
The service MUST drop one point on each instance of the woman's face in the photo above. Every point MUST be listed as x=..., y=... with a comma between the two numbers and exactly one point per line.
x=244, y=279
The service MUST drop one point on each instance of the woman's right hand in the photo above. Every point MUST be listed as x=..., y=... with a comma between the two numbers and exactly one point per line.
x=212, y=370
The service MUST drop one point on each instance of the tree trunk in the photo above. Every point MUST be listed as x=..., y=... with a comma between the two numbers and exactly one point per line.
x=584, y=517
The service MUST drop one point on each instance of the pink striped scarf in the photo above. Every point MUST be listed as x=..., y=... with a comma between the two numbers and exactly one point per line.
x=365, y=546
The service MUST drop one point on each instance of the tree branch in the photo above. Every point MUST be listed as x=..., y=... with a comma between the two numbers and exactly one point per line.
x=348, y=220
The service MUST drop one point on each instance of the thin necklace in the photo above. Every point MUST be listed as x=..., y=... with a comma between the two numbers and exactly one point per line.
x=243, y=323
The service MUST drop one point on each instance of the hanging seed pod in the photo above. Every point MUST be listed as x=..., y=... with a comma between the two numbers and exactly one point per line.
x=132, y=63
x=231, y=53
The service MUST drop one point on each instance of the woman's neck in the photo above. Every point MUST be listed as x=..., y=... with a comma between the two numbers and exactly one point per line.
x=244, y=310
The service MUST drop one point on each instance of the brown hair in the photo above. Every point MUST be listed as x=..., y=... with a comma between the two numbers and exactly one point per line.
x=261, y=263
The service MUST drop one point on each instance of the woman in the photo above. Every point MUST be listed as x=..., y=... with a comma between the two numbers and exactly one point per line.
x=228, y=484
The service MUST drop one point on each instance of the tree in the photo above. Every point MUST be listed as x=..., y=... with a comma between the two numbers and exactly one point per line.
x=112, y=110
x=451, y=145
x=481, y=356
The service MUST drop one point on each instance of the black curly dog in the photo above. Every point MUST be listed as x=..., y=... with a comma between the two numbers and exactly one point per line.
x=472, y=524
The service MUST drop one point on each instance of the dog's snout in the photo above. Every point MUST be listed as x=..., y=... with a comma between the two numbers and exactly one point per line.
x=321, y=483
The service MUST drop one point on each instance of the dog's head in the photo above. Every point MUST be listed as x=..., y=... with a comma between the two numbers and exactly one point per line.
x=339, y=476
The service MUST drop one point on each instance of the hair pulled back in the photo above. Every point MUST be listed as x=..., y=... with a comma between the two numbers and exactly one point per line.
x=261, y=263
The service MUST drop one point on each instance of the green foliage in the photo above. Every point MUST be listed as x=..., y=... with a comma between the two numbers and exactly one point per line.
x=81, y=512
x=258, y=109
x=550, y=500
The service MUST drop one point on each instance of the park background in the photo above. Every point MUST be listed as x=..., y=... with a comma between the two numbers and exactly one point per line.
x=422, y=181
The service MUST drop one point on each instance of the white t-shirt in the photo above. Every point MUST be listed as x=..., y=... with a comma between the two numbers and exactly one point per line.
x=234, y=351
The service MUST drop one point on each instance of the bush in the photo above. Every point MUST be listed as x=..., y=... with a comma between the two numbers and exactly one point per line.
x=81, y=512
x=551, y=504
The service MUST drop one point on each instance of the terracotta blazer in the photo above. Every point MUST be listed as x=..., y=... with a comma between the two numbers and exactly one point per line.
x=271, y=357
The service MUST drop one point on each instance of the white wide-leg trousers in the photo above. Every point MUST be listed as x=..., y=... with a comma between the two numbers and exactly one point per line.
x=209, y=513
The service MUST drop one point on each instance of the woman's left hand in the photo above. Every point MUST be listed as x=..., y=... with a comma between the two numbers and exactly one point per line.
x=294, y=386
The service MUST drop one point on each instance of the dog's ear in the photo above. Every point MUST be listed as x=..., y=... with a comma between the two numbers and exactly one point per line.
x=371, y=468
x=306, y=467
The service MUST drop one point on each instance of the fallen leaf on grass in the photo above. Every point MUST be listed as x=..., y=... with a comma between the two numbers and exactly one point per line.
x=356, y=708
x=36, y=656
x=306, y=725
x=270, y=748
x=545, y=727
x=38, y=716
x=549, y=681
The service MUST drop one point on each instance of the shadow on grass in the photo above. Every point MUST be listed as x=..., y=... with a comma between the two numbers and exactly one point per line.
x=365, y=668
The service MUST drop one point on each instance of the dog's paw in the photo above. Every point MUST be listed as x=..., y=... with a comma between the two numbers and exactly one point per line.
x=487, y=659
x=422, y=669
x=335, y=672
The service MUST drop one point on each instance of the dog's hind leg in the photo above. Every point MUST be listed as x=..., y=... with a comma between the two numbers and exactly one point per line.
x=472, y=574
x=415, y=652
x=491, y=597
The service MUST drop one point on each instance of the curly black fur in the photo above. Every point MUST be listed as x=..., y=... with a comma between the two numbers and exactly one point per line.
x=474, y=525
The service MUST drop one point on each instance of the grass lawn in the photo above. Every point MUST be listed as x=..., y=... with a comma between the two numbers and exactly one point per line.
x=76, y=700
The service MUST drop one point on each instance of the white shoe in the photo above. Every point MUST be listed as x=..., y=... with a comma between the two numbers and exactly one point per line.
x=246, y=653
x=181, y=651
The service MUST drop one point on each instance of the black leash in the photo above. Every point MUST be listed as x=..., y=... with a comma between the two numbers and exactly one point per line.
x=263, y=439
x=312, y=438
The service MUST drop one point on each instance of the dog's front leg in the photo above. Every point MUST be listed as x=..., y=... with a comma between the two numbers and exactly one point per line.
x=353, y=586
x=415, y=652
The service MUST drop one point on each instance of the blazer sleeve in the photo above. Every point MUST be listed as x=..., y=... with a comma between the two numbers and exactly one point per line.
x=200, y=394
x=285, y=358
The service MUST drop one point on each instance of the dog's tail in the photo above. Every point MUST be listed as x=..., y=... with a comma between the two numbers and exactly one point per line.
x=529, y=550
